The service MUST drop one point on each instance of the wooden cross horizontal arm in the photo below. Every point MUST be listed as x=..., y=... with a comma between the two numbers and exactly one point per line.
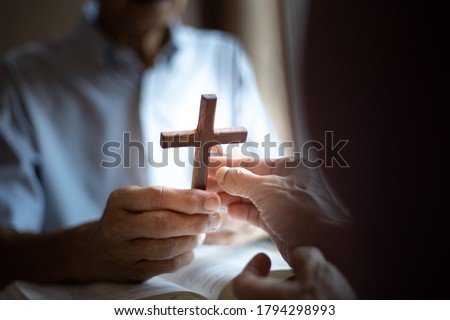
x=203, y=138
x=176, y=139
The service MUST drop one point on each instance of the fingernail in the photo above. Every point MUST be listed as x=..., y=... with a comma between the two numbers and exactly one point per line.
x=215, y=221
x=222, y=173
x=211, y=204
x=201, y=238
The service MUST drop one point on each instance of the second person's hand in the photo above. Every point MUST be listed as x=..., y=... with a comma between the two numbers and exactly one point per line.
x=294, y=205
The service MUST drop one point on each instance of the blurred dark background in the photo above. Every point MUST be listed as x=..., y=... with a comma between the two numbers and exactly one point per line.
x=368, y=74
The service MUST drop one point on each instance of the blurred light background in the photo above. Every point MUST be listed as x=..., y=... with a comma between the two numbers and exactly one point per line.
x=270, y=31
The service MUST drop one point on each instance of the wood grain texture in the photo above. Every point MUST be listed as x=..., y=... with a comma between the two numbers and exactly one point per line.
x=203, y=138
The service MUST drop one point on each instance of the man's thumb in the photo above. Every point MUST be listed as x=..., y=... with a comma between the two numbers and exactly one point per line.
x=238, y=181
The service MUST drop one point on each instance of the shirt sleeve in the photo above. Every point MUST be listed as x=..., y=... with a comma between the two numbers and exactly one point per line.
x=21, y=194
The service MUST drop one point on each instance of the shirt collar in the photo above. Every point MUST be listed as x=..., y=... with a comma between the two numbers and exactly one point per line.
x=108, y=53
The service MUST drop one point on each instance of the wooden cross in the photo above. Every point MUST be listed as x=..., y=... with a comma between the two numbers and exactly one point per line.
x=203, y=138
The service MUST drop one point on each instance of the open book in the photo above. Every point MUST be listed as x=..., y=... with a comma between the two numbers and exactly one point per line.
x=207, y=277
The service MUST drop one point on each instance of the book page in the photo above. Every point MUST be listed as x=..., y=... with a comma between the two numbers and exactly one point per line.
x=215, y=266
x=153, y=287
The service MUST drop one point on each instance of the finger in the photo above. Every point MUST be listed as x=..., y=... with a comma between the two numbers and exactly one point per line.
x=220, y=161
x=211, y=184
x=254, y=165
x=188, y=201
x=250, y=286
x=259, y=265
x=158, y=249
x=306, y=260
x=220, y=237
x=231, y=224
x=227, y=200
x=318, y=276
x=146, y=269
x=239, y=181
x=253, y=282
x=166, y=224
x=216, y=150
x=246, y=212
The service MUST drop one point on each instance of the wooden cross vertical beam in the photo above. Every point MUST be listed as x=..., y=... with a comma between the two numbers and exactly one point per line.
x=203, y=138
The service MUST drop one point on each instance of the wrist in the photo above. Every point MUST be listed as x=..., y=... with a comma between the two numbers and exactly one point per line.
x=77, y=247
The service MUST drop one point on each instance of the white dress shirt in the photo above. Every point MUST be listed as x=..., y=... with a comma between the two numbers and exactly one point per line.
x=62, y=101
